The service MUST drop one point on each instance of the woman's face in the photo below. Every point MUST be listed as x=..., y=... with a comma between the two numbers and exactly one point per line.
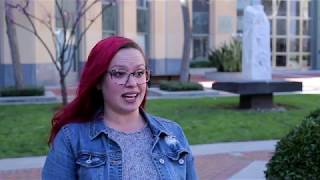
x=124, y=86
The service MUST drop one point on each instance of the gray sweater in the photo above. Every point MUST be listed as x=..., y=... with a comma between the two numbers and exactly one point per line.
x=136, y=153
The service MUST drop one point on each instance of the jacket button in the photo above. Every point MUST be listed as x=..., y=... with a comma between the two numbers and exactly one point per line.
x=161, y=161
x=181, y=161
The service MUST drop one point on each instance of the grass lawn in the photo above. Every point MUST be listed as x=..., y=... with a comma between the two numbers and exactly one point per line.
x=24, y=128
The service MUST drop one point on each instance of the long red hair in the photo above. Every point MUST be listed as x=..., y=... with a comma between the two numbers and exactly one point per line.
x=88, y=99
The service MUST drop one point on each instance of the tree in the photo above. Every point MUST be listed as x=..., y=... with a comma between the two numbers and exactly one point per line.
x=67, y=40
x=184, y=72
x=14, y=49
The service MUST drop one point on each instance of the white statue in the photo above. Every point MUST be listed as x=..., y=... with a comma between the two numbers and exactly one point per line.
x=256, y=58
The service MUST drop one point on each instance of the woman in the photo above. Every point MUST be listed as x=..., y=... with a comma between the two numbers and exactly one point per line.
x=104, y=132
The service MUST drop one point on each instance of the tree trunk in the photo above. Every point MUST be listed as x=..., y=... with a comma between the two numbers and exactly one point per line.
x=184, y=72
x=63, y=86
x=80, y=45
x=14, y=50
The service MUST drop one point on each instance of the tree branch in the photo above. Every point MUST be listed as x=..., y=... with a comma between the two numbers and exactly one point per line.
x=92, y=21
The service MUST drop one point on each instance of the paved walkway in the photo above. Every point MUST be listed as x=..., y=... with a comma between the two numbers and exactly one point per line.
x=236, y=160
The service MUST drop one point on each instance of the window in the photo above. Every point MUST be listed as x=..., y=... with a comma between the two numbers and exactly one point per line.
x=200, y=47
x=281, y=27
x=267, y=4
x=240, y=24
x=282, y=8
x=306, y=45
x=200, y=17
x=142, y=16
x=294, y=61
x=281, y=60
x=142, y=3
x=200, y=22
x=294, y=8
x=65, y=16
x=294, y=27
x=294, y=45
x=200, y=28
x=68, y=9
x=281, y=45
x=305, y=27
x=143, y=23
x=306, y=60
x=109, y=19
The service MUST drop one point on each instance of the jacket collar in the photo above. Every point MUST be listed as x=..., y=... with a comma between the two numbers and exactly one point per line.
x=97, y=125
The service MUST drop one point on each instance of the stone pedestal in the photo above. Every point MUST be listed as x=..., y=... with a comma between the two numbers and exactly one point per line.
x=257, y=94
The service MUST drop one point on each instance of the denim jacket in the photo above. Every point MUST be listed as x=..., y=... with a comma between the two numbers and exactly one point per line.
x=84, y=151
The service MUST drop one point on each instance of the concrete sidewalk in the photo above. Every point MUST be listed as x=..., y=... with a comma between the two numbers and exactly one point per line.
x=235, y=160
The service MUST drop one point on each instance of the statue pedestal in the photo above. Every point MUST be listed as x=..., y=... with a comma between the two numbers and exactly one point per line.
x=257, y=94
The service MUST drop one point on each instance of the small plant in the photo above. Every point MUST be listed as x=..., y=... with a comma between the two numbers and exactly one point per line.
x=228, y=57
x=200, y=64
x=180, y=86
x=27, y=91
x=297, y=155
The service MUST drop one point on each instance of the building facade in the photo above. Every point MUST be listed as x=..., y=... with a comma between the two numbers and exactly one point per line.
x=291, y=35
x=158, y=28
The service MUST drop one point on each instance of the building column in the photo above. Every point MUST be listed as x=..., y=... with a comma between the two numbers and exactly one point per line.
x=128, y=19
x=223, y=22
x=1, y=43
x=315, y=34
x=157, y=37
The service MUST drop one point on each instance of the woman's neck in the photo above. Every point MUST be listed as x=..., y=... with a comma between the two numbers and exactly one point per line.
x=125, y=122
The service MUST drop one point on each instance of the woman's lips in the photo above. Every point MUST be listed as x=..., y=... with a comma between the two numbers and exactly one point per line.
x=130, y=97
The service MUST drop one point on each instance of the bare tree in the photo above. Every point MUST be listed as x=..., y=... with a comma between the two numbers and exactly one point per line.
x=67, y=40
x=184, y=72
x=14, y=49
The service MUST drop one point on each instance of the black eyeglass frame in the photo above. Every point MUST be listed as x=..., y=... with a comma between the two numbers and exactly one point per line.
x=146, y=71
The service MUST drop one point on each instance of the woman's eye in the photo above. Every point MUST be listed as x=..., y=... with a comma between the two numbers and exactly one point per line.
x=139, y=73
x=118, y=74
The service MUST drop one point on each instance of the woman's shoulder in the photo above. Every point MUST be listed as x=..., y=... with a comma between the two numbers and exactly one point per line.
x=166, y=124
x=75, y=126
x=164, y=121
x=73, y=131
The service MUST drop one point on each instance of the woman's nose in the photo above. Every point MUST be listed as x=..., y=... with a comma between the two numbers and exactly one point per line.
x=130, y=81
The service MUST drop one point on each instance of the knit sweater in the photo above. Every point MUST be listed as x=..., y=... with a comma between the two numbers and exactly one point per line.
x=136, y=153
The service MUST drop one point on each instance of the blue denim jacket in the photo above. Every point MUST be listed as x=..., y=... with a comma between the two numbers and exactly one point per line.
x=84, y=151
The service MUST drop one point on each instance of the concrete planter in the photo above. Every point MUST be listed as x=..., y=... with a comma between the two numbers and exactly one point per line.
x=49, y=97
x=202, y=71
x=224, y=76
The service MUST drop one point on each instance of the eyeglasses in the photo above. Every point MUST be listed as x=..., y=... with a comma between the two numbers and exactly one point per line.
x=121, y=77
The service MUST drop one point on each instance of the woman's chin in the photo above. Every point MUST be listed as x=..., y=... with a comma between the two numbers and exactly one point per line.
x=129, y=108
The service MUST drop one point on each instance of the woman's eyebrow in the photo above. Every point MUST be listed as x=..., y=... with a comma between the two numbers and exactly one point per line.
x=119, y=66
x=126, y=67
x=141, y=65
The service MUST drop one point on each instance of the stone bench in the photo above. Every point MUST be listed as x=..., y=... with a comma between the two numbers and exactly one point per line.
x=257, y=94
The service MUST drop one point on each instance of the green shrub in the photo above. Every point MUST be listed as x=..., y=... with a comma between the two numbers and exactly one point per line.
x=200, y=64
x=228, y=57
x=180, y=86
x=26, y=91
x=297, y=155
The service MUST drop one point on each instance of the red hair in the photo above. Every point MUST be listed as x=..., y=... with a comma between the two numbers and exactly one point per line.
x=88, y=99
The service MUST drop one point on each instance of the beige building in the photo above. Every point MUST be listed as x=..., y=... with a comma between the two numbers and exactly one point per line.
x=155, y=24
